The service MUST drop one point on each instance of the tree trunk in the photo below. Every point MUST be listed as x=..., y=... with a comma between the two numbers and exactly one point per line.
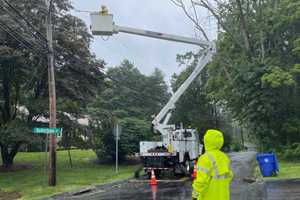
x=8, y=154
x=244, y=26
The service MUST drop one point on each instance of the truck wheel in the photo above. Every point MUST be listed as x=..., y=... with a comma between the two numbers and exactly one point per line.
x=187, y=167
x=178, y=170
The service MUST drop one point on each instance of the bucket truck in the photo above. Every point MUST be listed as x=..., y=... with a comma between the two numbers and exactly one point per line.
x=178, y=146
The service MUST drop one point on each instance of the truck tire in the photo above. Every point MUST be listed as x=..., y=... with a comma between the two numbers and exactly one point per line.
x=188, y=167
x=185, y=168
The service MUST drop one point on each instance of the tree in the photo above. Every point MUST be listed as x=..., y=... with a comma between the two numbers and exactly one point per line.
x=23, y=79
x=255, y=73
x=12, y=78
x=130, y=100
x=262, y=89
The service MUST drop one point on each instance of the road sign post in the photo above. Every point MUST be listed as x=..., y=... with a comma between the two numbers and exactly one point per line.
x=117, y=133
x=55, y=132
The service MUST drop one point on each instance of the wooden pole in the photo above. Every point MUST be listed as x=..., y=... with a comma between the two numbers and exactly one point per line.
x=52, y=97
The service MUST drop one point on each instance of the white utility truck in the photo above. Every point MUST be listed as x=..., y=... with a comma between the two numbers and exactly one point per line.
x=178, y=146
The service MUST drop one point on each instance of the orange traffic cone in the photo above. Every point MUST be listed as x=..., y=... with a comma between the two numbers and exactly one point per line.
x=153, y=180
x=194, y=175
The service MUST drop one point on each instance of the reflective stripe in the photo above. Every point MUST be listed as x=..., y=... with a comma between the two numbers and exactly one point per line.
x=212, y=159
x=203, y=169
x=195, y=194
x=224, y=176
x=217, y=176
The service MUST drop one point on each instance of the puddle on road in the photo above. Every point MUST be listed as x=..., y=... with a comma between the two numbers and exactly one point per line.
x=174, y=191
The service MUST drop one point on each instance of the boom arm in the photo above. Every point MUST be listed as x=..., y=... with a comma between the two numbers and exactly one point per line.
x=165, y=113
x=162, y=36
x=102, y=24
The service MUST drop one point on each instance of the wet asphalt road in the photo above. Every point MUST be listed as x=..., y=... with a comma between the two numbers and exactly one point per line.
x=277, y=190
x=241, y=164
x=284, y=190
x=181, y=190
x=135, y=191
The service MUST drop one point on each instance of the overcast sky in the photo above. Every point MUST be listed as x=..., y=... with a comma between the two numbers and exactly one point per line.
x=145, y=53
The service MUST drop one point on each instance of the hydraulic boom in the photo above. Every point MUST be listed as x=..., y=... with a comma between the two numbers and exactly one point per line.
x=178, y=145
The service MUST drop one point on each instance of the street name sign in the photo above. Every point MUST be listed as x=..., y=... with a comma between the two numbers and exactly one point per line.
x=55, y=131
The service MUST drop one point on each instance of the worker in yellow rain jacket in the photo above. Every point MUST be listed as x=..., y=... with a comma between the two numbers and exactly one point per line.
x=213, y=170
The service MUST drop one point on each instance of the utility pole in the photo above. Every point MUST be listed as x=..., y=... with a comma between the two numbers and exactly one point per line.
x=52, y=96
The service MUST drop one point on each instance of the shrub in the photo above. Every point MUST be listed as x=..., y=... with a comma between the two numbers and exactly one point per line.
x=290, y=152
x=236, y=146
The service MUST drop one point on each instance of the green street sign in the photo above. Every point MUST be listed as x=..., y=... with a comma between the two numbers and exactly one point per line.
x=55, y=131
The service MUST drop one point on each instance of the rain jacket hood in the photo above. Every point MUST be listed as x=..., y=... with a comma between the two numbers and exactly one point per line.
x=213, y=140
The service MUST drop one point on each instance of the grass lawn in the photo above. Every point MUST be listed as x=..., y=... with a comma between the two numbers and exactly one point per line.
x=287, y=170
x=32, y=184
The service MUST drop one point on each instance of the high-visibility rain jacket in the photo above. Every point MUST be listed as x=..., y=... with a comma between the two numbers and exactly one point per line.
x=213, y=170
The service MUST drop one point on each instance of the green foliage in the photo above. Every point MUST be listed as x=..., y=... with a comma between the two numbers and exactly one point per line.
x=287, y=170
x=236, y=146
x=195, y=109
x=24, y=78
x=130, y=99
x=291, y=152
x=9, y=132
x=259, y=84
x=32, y=183
x=277, y=77
x=134, y=131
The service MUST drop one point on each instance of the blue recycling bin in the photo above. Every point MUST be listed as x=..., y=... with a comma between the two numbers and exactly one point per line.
x=268, y=164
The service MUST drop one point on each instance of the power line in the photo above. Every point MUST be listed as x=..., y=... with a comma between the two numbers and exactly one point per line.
x=13, y=36
x=18, y=37
x=39, y=42
x=60, y=51
x=41, y=36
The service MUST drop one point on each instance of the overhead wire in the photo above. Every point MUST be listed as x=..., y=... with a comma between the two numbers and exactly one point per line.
x=39, y=40
x=25, y=46
x=38, y=33
x=43, y=39
x=7, y=31
x=37, y=47
x=17, y=37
